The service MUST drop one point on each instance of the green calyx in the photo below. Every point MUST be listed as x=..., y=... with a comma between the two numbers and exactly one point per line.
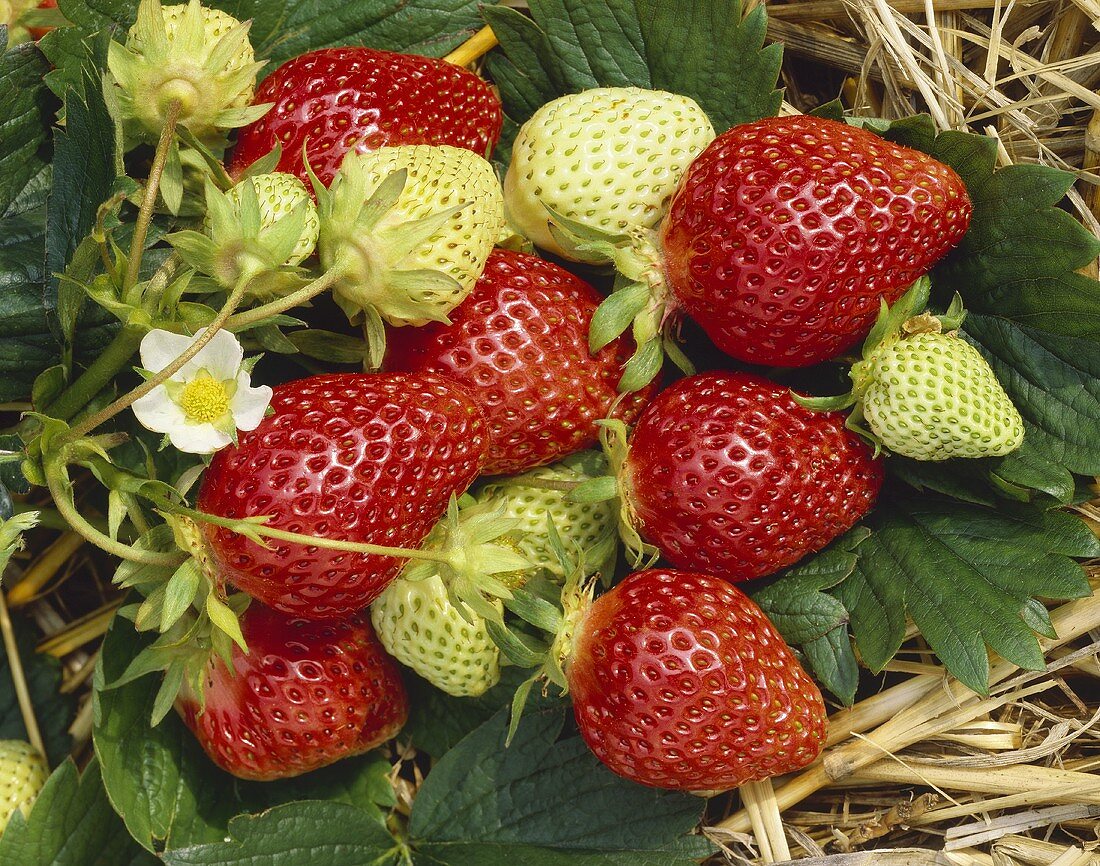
x=921, y=391
x=188, y=606
x=615, y=485
x=641, y=301
x=196, y=57
x=363, y=239
x=478, y=559
x=253, y=240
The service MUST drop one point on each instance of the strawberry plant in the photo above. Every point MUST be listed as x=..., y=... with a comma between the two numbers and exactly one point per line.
x=336, y=365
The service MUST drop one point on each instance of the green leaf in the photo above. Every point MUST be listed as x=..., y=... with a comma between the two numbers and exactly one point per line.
x=963, y=573
x=26, y=345
x=1019, y=257
x=71, y=824
x=297, y=834
x=1031, y=467
x=84, y=173
x=27, y=108
x=1055, y=383
x=725, y=67
x=282, y=29
x=484, y=803
x=166, y=789
x=329, y=346
x=834, y=664
x=796, y=604
x=573, y=45
x=53, y=710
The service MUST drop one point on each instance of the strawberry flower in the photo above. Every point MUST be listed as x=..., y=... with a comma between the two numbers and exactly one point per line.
x=203, y=405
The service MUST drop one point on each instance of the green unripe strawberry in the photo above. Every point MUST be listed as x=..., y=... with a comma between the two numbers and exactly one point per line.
x=23, y=772
x=932, y=396
x=922, y=391
x=199, y=57
x=257, y=232
x=279, y=194
x=418, y=626
x=610, y=158
x=585, y=527
x=407, y=231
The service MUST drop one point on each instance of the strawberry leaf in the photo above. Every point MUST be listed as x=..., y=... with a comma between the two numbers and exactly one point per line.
x=297, y=834
x=26, y=108
x=834, y=663
x=511, y=808
x=796, y=603
x=571, y=45
x=1054, y=381
x=1019, y=258
x=964, y=574
x=71, y=824
x=166, y=789
x=282, y=29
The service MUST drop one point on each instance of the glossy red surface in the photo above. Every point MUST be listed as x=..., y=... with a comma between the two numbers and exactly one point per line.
x=679, y=681
x=519, y=342
x=358, y=457
x=335, y=100
x=786, y=232
x=306, y=694
x=728, y=475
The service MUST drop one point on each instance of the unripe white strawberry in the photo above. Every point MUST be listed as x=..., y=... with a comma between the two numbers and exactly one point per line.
x=23, y=772
x=199, y=57
x=610, y=158
x=256, y=233
x=279, y=194
x=587, y=528
x=932, y=396
x=418, y=626
x=409, y=230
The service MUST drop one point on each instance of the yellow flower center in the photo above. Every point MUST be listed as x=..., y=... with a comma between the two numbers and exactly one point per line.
x=204, y=399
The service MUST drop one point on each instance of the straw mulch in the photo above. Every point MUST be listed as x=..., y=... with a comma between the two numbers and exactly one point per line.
x=922, y=771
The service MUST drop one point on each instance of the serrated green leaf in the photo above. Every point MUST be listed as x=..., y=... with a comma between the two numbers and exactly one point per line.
x=833, y=663
x=165, y=787
x=1019, y=257
x=329, y=346
x=725, y=67
x=26, y=106
x=796, y=604
x=573, y=45
x=71, y=824
x=518, y=795
x=297, y=834
x=963, y=573
x=1055, y=383
x=1031, y=467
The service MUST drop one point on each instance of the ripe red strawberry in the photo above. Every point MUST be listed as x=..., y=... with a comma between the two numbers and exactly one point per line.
x=727, y=474
x=679, y=681
x=520, y=342
x=786, y=233
x=335, y=100
x=369, y=458
x=306, y=694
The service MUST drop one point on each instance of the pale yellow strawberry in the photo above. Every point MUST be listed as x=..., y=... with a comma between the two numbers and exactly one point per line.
x=409, y=230
x=23, y=772
x=279, y=194
x=610, y=158
x=198, y=57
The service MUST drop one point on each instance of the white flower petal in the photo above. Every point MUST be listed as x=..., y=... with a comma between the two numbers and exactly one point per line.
x=222, y=356
x=160, y=348
x=158, y=412
x=249, y=404
x=198, y=438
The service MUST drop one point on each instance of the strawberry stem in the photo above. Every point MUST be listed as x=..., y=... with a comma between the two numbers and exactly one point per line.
x=244, y=320
x=250, y=528
x=19, y=679
x=149, y=200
